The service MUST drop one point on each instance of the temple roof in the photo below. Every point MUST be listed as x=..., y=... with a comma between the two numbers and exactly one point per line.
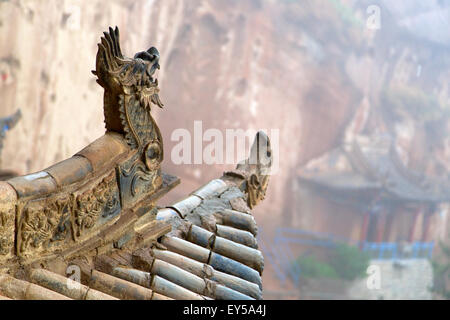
x=96, y=212
x=203, y=247
x=372, y=163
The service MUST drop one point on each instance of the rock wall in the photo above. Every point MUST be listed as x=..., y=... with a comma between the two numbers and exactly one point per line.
x=47, y=50
x=252, y=65
x=231, y=64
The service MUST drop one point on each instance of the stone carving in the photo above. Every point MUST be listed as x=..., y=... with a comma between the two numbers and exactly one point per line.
x=130, y=89
x=136, y=180
x=255, y=171
x=44, y=223
x=6, y=224
x=256, y=189
x=49, y=220
x=8, y=198
x=100, y=203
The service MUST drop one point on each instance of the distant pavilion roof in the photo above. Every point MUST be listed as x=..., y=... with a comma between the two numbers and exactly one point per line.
x=373, y=164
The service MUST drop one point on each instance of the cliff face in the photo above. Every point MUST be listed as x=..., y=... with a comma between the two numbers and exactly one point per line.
x=253, y=65
x=47, y=50
x=231, y=64
x=299, y=68
x=303, y=68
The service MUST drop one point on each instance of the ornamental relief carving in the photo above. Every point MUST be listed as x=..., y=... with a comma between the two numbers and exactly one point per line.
x=46, y=224
x=6, y=225
x=97, y=205
x=136, y=181
x=43, y=224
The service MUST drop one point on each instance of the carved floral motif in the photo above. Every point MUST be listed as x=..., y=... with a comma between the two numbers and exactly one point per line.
x=44, y=223
x=6, y=225
x=100, y=202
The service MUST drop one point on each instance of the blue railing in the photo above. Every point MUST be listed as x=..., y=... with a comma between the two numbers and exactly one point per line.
x=391, y=250
x=269, y=254
x=278, y=253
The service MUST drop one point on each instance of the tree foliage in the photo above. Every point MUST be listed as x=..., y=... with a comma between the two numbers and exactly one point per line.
x=344, y=262
x=441, y=273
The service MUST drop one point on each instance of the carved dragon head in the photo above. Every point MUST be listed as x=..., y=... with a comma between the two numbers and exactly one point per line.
x=130, y=89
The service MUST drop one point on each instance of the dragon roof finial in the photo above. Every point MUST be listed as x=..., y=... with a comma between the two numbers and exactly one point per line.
x=130, y=89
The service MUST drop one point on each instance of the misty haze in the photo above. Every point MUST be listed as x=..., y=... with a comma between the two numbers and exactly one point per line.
x=354, y=96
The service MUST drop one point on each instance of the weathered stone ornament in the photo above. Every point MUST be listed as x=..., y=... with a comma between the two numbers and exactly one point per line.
x=130, y=89
x=75, y=201
x=255, y=171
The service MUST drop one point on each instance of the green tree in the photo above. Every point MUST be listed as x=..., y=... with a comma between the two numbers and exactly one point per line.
x=344, y=262
x=441, y=273
x=310, y=267
x=349, y=262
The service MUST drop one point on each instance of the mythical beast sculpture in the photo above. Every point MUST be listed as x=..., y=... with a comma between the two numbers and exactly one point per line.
x=112, y=181
x=130, y=89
